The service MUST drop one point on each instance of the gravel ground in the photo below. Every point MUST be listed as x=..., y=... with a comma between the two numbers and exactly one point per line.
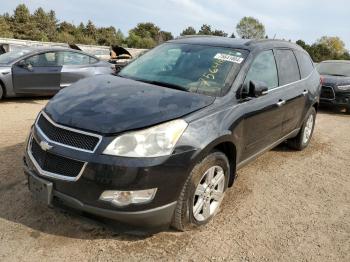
x=286, y=206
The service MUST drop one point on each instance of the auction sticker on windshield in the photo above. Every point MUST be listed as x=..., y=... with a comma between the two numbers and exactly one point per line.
x=230, y=58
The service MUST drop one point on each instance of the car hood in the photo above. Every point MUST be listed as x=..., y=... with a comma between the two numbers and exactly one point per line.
x=335, y=80
x=109, y=104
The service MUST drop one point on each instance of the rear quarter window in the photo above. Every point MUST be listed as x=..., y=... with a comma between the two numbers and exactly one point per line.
x=305, y=64
x=288, y=70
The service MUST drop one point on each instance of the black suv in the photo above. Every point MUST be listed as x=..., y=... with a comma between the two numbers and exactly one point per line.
x=335, y=83
x=160, y=143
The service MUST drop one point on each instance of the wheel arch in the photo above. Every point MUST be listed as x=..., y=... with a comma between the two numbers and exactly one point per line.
x=225, y=145
x=230, y=150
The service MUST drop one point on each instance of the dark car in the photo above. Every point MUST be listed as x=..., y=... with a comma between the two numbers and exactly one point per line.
x=335, y=83
x=160, y=143
x=44, y=71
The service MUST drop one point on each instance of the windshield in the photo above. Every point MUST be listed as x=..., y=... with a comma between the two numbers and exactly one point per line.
x=334, y=68
x=193, y=68
x=9, y=57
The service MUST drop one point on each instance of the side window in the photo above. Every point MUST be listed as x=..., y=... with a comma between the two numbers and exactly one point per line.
x=288, y=70
x=73, y=58
x=44, y=59
x=93, y=60
x=305, y=64
x=263, y=69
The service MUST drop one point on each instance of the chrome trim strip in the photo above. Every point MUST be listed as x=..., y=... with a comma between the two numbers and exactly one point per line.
x=49, y=174
x=69, y=129
x=328, y=99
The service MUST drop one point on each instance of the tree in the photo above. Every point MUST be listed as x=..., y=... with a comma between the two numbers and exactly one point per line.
x=335, y=44
x=165, y=36
x=90, y=30
x=45, y=25
x=5, y=28
x=250, y=28
x=109, y=36
x=205, y=30
x=189, y=31
x=22, y=24
x=219, y=33
x=147, y=35
x=145, y=30
x=136, y=41
x=326, y=48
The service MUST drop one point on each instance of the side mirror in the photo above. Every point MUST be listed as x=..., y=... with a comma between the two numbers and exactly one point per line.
x=25, y=65
x=22, y=63
x=257, y=88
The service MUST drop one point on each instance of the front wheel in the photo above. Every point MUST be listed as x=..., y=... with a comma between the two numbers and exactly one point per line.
x=303, y=138
x=202, y=193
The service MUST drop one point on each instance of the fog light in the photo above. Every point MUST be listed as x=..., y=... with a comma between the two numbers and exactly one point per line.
x=125, y=198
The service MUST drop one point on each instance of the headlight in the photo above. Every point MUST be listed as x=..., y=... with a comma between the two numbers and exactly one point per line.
x=345, y=87
x=156, y=141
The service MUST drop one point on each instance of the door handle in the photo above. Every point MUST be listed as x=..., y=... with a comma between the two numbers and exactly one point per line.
x=305, y=92
x=281, y=102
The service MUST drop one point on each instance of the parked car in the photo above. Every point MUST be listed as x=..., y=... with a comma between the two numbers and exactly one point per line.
x=45, y=71
x=335, y=83
x=6, y=47
x=161, y=143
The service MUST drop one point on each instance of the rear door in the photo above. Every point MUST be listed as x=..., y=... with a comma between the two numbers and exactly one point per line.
x=293, y=90
x=42, y=76
x=76, y=66
x=263, y=121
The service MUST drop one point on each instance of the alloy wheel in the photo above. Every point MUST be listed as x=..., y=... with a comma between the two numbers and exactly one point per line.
x=209, y=193
x=308, y=129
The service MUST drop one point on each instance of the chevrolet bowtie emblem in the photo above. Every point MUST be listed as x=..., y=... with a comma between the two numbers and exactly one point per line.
x=45, y=146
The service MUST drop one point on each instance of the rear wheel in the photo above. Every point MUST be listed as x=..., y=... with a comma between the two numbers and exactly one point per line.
x=303, y=138
x=1, y=92
x=202, y=193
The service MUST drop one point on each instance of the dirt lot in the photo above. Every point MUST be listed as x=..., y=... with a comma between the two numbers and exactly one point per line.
x=286, y=206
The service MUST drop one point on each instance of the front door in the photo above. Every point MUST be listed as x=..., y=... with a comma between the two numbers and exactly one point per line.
x=38, y=74
x=76, y=66
x=262, y=124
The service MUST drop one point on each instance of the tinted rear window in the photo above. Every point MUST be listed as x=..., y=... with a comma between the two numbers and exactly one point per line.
x=305, y=64
x=288, y=70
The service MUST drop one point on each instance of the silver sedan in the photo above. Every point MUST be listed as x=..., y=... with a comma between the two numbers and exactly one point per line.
x=39, y=71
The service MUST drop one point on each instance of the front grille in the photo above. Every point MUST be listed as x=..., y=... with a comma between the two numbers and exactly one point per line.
x=327, y=92
x=62, y=135
x=55, y=164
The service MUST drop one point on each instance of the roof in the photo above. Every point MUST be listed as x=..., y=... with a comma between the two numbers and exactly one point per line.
x=248, y=44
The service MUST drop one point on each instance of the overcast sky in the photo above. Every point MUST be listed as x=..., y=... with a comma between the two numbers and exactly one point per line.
x=293, y=19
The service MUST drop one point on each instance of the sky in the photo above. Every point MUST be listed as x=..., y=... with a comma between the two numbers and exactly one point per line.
x=293, y=19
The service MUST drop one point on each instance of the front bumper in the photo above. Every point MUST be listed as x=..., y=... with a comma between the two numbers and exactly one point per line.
x=101, y=173
x=340, y=99
x=156, y=217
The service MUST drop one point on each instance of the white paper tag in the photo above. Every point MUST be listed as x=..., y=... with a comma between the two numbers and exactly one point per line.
x=230, y=58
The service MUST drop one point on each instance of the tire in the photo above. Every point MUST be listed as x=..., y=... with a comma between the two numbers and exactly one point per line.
x=304, y=136
x=1, y=92
x=196, y=191
x=348, y=110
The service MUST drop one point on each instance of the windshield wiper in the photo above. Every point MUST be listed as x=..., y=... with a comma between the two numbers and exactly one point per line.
x=169, y=85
